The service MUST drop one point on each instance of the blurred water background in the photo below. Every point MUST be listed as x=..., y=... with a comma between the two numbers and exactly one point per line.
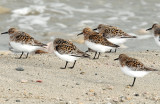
x=47, y=19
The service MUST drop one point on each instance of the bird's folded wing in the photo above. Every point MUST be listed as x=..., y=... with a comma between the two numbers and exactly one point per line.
x=135, y=65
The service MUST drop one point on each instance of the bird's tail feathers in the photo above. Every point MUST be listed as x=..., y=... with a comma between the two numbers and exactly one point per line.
x=150, y=69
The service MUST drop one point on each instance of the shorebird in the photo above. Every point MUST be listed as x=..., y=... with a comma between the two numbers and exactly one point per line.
x=89, y=31
x=23, y=42
x=156, y=30
x=133, y=67
x=113, y=34
x=67, y=51
x=97, y=42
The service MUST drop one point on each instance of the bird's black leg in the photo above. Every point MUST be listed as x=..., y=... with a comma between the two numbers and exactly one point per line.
x=98, y=55
x=27, y=54
x=95, y=55
x=133, y=81
x=73, y=65
x=115, y=50
x=110, y=51
x=65, y=65
x=21, y=55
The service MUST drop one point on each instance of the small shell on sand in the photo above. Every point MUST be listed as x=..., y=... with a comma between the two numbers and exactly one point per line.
x=91, y=90
x=23, y=81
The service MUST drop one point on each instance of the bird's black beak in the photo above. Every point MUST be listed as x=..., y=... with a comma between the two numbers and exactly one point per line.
x=4, y=33
x=95, y=29
x=149, y=29
x=80, y=33
x=116, y=59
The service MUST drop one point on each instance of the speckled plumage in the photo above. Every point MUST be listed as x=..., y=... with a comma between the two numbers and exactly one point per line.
x=59, y=41
x=23, y=42
x=24, y=38
x=97, y=38
x=96, y=41
x=133, y=63
x=133, y=67
x=67, y=51
x=109, y=31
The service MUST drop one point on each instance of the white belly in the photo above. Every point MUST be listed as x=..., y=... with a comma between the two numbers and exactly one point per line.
x=24, y=47
x=117, y=41
x=97, y=47
x=66, y=57
x=157, y=40
x=131, y=73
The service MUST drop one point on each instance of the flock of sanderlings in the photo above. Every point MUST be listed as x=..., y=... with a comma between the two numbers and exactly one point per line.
x=105, y=39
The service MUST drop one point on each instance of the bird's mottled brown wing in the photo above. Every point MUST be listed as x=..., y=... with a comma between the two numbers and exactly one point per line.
x=98, y=39
x=59, y=41
x=134, y=64
x=70, y=50
x=112, y=31
x=22, y=37
x=65, y=49
x=25, y=38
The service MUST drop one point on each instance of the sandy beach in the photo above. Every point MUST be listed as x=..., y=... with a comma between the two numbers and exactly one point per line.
x=90, y=82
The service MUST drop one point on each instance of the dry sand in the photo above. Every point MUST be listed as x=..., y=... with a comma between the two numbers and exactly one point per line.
x=90, y=82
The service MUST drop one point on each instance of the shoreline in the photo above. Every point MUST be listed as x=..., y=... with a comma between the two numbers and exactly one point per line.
x=91, y=81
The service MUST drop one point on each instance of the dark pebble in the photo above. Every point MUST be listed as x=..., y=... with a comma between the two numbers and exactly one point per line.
x=77, y=83
x=19, y=69
x=18, y=101
x=136, y=94
x=7, y=100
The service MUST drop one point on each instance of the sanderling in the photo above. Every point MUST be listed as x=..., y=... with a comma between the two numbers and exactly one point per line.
x=97, y=42
x=67, y=51
x=113, y=34
x=23, y=42
x=156, y=30
x=89, y=31
x=132, y=67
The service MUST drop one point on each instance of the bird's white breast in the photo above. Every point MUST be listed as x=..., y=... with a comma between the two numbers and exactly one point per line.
x=117, y=41
x=156, y=38
x=66, y=57
x=97, y=47
x=24, y=47
x=132, y=73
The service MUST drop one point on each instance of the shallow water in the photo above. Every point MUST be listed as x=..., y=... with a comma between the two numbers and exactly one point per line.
x=45, y=19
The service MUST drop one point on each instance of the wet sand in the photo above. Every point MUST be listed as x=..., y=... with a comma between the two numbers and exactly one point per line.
x=90, y=82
